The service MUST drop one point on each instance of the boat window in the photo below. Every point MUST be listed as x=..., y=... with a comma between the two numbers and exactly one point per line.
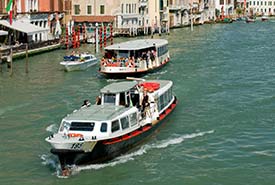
x=129, y=103
x=87, y=57
x=64, y=125
x=123, y=54
x=171, y=94
x=124, y=122
x=103, y=127
x=133, y=119
x=109, y=98
x=82, y=126
x=122, y=98
x=161, y=102
x=135, y=99
x=115, y=126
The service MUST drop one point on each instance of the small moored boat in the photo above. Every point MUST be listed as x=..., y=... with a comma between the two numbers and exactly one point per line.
x=76, y=62
x=134, y=58
x=264, y=18
x=124, y=115
x=250, y=20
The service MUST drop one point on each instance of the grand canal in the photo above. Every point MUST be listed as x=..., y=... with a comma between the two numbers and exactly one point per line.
x=222, y=132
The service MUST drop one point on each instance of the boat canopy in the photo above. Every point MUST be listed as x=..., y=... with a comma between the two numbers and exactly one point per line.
x=97, y=113
x=137, y=44
x=118, y=87
x=24, y=27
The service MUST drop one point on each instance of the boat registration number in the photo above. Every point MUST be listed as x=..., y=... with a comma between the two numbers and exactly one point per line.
x=76, y=145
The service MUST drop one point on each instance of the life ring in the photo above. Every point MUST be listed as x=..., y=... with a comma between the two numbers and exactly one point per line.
x=150, y=86
x=75, y=135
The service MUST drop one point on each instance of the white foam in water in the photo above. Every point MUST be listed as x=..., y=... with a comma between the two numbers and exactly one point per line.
x=52, y=163
x=48, y=161
x=52, y=128
x=119, y=160
x=131, y=156
x=178, y=140
x=112, y=80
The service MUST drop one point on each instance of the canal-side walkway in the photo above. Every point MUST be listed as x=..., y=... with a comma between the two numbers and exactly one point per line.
x=23, y=50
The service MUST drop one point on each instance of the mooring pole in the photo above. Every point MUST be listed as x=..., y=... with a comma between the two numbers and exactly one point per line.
x=191, y=15
x=1, y=70
x=10, y=60
x=96, y=37
x=27, y=59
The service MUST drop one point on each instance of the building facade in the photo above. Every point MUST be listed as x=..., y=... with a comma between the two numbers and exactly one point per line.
x=261, y=7
x=42, y=13
x=225, y=7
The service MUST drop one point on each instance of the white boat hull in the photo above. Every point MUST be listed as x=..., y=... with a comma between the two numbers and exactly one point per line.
x=78, y=65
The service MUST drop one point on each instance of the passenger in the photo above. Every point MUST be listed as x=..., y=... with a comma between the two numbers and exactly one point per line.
x=145, y=103
x=86, y=103
x=81, y=58
x=98, y=100
x=73, y=53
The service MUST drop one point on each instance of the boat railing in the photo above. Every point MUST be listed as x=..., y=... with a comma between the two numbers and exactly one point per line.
x=122, y=62
x=143, y=63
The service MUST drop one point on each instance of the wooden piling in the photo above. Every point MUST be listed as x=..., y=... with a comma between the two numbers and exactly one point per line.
x=100, y=37
x=27, y=59
x=111, y=32
x=67, y=38
x=1, y=70
x=10, y=61
x=105, y=36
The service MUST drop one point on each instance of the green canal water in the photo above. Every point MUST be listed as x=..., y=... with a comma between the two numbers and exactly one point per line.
x=221, y=133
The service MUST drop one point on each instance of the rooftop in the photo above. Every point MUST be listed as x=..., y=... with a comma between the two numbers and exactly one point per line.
x=118, y=87
x=137, y=44
x=97, y=113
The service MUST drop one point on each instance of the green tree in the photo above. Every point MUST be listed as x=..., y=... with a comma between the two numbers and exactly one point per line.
x=239, y=11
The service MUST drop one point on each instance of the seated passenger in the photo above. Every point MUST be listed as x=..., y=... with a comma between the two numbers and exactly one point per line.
x=86, y=103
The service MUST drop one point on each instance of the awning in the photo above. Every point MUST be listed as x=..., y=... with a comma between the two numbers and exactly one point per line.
x=24, y=27
x=2, y=33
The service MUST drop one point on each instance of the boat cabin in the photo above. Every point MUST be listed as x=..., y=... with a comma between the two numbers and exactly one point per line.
x=139, y=54
x=118, y=111
x=121, y=94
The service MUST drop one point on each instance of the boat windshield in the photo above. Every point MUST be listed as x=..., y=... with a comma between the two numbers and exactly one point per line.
x=71, y=58
x=82, y=126
x=109, y=99
x=64, y=125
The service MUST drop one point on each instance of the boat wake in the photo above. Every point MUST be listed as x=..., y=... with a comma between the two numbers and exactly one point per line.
x=49, y=160
x=52, y=128
x=156, y=73
x=112, y=80
x=142, y=150
x=178, y=140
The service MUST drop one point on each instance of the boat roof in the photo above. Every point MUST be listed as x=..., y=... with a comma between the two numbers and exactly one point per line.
x=137, y=44
x=97, y=113
x=161, y=82
x=118, y=87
